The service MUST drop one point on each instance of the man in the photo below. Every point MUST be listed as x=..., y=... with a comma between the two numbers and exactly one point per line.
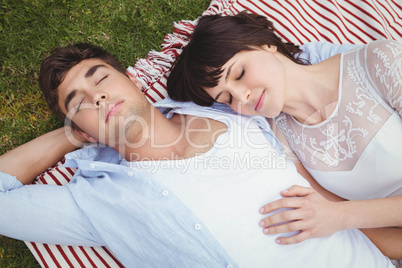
x=173, y=189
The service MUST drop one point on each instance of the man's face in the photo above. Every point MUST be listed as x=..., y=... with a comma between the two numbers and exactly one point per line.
x=107, y=105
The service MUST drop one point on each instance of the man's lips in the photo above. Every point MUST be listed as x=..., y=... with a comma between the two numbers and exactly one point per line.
x=113, y=109
x=260, y=101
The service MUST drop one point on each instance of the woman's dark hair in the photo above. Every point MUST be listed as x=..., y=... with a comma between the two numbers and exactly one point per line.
x=215, y=40
x=61, y=59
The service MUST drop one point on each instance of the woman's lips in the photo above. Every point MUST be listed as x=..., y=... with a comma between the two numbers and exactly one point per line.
x=113, y=109
x=260, y=101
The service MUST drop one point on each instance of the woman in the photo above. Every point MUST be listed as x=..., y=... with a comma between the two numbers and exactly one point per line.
x=339, y=119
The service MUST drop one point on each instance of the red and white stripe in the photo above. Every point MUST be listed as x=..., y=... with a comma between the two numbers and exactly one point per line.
x=302, y=21
x=68, y=256
x=336, y=21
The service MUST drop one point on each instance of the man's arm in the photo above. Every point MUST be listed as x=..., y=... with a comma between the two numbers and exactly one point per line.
x=315, y=52
x=30, y=159
x=41, y=213
x=388, y=240
x=44, y=214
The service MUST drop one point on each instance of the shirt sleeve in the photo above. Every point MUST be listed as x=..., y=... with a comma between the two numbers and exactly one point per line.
x=8, y=182
x=43, y=213
x=384, y=65
x=315, y=52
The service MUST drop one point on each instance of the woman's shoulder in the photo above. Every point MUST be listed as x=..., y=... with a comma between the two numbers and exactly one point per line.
x=377, y=47
x=384, y=44
x=382, y=62
x=383, y=50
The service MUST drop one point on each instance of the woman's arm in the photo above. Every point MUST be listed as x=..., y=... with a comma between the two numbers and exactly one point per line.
x=315, y=52
x=315, y=185
x=30, y=159
x=317, y=216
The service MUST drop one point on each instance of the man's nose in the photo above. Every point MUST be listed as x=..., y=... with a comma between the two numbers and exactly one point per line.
x=99, y=98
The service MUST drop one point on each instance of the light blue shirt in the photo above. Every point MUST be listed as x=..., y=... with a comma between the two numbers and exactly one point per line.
x=106, y=204
x=315, y=52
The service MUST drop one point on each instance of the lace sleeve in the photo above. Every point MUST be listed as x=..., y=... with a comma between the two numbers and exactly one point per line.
x=285, y=146
x=384, y=63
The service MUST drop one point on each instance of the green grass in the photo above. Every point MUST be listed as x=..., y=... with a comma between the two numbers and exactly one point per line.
x=29, y=29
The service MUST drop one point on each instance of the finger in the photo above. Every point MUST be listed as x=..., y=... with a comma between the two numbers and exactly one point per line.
x=285, y=228
x=282, y=217
x=297, y=190
x=293, y=239
x=281, y=203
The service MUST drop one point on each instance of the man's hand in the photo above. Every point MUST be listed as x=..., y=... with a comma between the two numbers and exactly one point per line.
x=313, y=215
x=30, y=159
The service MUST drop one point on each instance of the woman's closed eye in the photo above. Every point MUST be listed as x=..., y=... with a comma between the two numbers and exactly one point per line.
x=241, y=75
x=230, y=99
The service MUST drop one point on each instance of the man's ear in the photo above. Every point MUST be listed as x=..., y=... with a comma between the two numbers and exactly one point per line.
x=135, y=80
x=85, y=135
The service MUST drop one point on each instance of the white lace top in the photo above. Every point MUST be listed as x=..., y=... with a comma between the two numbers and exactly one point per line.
x=356, y=152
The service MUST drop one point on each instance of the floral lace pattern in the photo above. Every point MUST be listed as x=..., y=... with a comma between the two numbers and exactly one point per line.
x=369, y=92
x=390, y=74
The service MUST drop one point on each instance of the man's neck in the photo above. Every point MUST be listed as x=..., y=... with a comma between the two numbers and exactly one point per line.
x=181, y=136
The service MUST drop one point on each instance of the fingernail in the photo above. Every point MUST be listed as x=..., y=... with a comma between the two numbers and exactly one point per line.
x=261, y=210
x=266, y=231
x=262, y=223
x=285, y=191
x=278, y=241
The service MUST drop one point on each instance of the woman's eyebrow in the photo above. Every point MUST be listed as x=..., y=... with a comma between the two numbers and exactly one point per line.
x=217, y=96
x=229, y=70
x=226, y=79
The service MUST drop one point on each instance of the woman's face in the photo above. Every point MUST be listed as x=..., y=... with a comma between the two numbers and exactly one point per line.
x=252, y=83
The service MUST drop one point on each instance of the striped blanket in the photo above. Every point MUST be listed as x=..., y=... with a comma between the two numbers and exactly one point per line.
x=336, y=21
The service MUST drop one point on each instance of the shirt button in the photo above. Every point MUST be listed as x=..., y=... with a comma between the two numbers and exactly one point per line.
x=229, y=266
x=92, y=165
x=165, y=193
x=130, y=174
x=197, y=226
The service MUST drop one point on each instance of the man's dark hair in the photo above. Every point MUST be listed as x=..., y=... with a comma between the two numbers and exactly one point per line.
x=61, y=59
x=215, y=40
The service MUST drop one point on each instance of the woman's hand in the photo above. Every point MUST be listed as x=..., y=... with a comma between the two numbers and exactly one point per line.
x=312, y=214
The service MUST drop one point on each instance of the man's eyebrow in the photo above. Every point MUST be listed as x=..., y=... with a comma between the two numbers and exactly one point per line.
x=226, y=79
x=88, y=74
x=69, y=97
x=93, y=69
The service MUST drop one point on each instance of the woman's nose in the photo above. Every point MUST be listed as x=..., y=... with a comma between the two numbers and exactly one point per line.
x=242, y=95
